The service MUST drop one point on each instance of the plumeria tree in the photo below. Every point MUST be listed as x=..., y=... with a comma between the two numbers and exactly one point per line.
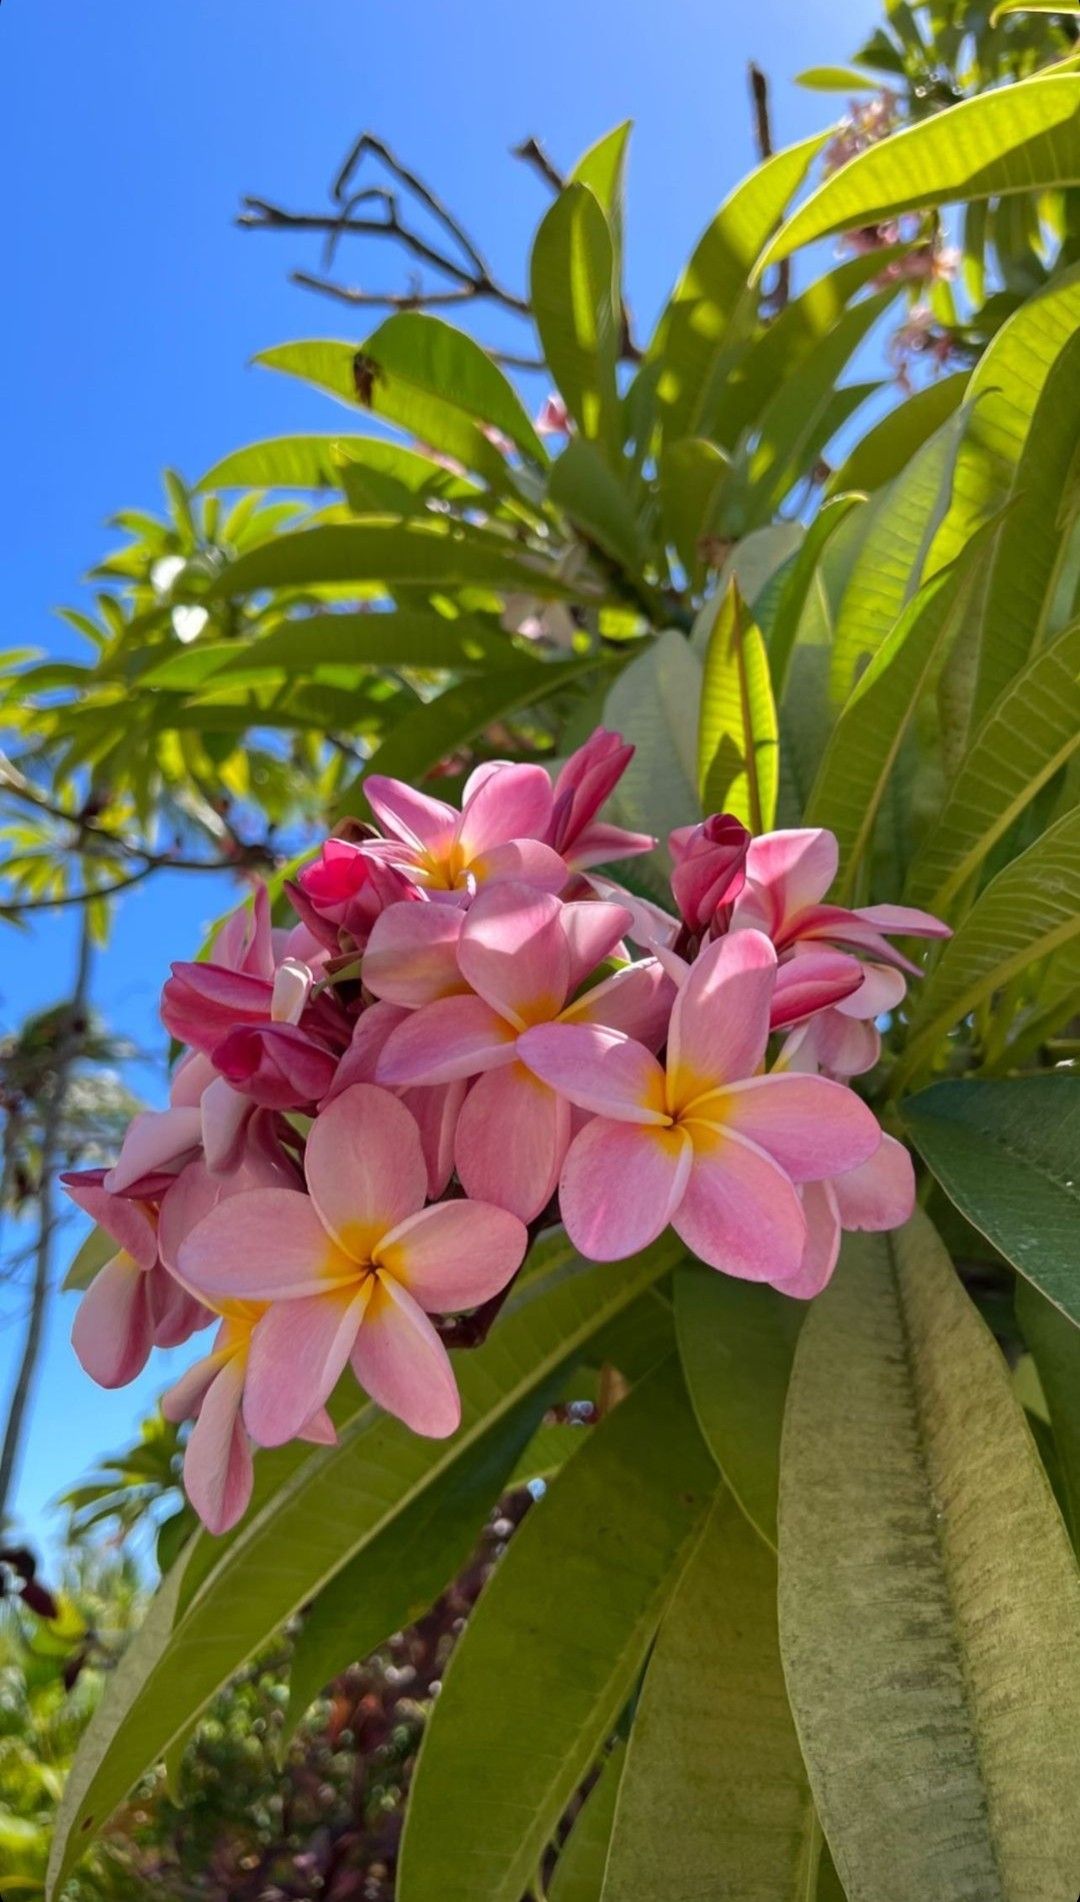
x=676, y=1016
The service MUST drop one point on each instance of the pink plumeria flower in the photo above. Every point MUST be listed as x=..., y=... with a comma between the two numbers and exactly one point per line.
x=351, y=1271
x=554, y=417
x=133, y=1302
x=709, y=872
x=787, y=877
x=588, y=778
x=707, y=1144
x=521, y=958
x=505, y=815
x=342, y=892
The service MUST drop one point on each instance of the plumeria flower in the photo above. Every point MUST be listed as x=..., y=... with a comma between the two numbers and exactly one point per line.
x=351, y=1271
x=554, y=418
x=342, y=892
x=505, y=814
x=133, y=1302
x=709, y=872
x=588, y=778
x=435, y=1110
x=707, y=1144
x=521, y=957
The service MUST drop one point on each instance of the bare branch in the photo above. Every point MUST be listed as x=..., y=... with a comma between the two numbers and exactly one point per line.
x=452, y=225
x=531, y=152
x=763, y=138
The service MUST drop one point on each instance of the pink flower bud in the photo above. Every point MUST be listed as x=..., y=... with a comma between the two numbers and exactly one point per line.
x=278, y=1065
x=344, y=890
x=202, y=1002
x=710, y=871
x=584, y=783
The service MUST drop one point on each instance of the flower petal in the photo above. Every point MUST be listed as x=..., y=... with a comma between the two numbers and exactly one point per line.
x=792, y=870
x=740, y=1212
x=593, y=928
x=408, y=815
x=822, y=1243
x=113, y=1330
x=880, y=1193
x=365, y=1167
x=411, y=955
x=813, y=981
x=809, y=1125
x=720, y=1018
x=904, y=921
x=370, y=1032
x=262, y=1245
x=513, y=803
x=621, y=1186
x=217, y=1462
x=598, y=1069
x=510, y=1141
x=435, y=1109
x=636, y=1000
x=881, y=990
x=154, y=1139
x=521, y=861
x=454, y=1255
x=455, y=1037
x=400, y=1361
x=225, y=1114
x=297, y=1353
x=128, y=1222
x=515, y=954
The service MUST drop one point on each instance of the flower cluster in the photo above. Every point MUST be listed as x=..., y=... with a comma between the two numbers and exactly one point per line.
x=466, y=1033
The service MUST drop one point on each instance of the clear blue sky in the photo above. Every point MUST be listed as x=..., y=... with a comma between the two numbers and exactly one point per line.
x=128, y=132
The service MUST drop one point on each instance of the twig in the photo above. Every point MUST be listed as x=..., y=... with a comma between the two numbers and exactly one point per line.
x=369, y=142
x=381, y=300
x=763, y=138
x=67, y=1048
x=531, y=152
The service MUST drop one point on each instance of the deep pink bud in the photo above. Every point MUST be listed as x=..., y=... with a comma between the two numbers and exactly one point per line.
x=710, y=871
x=202, y=1002
x=584, y=783
x=278, y=1065
x=344, y=890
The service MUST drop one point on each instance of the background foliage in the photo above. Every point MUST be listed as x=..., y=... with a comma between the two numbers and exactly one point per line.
x=814, y=546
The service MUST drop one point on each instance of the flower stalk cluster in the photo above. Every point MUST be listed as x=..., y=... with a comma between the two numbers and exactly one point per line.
x=467, y=1031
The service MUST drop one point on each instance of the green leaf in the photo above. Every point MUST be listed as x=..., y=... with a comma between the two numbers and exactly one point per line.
x=788, y=341
x=867, y=738
x=737, y=1340
x=1008, y=1154
x=1054, y=1344
x=835, y=79
x=933, y=1663
x=437, y=727
x=898, y=530
x=710, y=307
x=1021, y=138
x=738, y=756
x=422, y=359
x=1004, y=7
x=579, y=1872
x=798, y=419
x=693, y=475
x=311, y=1514
x=393, y=552
x=314, y=462
x=95, y=1251
x=1036, y=536
x=302, y=645
x=1027, y=737
x=603, y=169
x=433, y=417
x=583, y=486
x=1029, y=910
x=390, y=1586
x=654, y=703
x=552, y=1651
x=714, y=1799
x=887, y=448
x=576, y=312
x=801, y=577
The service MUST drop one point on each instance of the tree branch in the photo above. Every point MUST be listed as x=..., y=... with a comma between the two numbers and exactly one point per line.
x=763, y=139
x=68, y=1044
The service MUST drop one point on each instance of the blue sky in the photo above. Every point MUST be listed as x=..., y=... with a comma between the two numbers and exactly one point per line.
x=128, y=133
